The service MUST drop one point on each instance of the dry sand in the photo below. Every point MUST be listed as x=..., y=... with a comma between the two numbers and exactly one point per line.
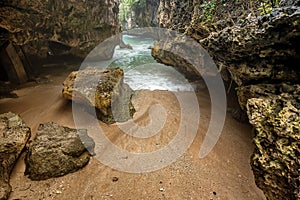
x=224, y=174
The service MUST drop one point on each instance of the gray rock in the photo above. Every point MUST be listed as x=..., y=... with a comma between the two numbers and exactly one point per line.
x=14, y=134
x=56, y=151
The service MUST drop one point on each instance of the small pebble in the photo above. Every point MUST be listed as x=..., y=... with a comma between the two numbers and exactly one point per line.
x=115, y=179
x=58, y=192
x=162, y=189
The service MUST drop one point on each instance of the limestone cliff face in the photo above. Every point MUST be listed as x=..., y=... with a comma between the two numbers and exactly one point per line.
x=175, y=14
x=261, y=55
x=72, y=26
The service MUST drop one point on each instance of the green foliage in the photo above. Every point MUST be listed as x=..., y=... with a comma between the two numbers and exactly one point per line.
x=126, y=5
x=209, y=9
x=267, y=6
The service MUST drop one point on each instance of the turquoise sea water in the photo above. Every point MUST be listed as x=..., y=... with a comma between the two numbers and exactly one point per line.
x=142, y=71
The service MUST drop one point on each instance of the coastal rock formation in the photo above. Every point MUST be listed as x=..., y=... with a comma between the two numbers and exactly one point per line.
x=275, y=161
x=102, y=89
x=185, y=55
x=56, y=151
x=14, y=134
x=261, y=50
x=58, y=27
x=260, y=55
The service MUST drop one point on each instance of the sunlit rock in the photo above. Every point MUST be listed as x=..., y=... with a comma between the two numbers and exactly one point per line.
x=102, y=89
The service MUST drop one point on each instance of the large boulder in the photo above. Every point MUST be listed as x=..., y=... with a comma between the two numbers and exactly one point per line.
x=276, y=159
x=56, y=151
x=103, y=89
x=57, y=26
x=14, y=134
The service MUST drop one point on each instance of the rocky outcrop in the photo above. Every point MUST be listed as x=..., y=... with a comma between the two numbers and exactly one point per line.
x=14, y=134
x=56, y=151
x=275, y=161
x=56, y=26
x=102, y=89
x=184, y=54
x=260, y=50
x=261, y=56
x=175, y=14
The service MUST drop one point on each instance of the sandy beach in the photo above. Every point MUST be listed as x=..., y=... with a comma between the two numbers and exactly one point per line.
x=224, y=174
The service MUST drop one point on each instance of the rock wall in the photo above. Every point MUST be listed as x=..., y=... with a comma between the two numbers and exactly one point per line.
x=275, y=161
x=58, y=27
x=260, y=54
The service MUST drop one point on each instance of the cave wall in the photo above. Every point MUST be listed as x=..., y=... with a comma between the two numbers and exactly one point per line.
x=57, y=27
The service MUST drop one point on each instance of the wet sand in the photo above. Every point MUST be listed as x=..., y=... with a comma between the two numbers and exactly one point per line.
x=224, y=174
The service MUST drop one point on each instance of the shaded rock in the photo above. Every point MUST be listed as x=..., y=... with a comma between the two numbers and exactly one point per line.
x=260, y=90
x=102, y=89
x=14, y=134
x=275, y=161
x=56, y=26
x=185, y=55
x=56, y=151
x=6, y=90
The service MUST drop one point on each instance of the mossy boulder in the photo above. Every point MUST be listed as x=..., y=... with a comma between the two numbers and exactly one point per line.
x=103, y=89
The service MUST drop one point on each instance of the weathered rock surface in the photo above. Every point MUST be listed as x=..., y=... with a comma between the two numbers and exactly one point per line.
x=261, y=55
x=56, y=151
x=58, y=26
x=14, y=134
x=185, y=55
x=260, y=50
x=102, y=89
x=276, y=159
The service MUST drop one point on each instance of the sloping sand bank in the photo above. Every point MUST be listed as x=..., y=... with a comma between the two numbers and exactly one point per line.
x=224, y=174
